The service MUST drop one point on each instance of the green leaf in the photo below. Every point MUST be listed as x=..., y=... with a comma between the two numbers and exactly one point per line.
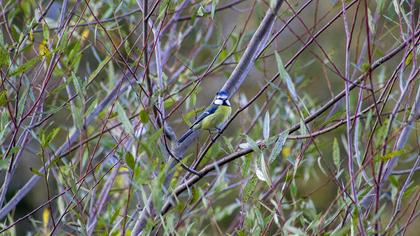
x=260, y=174
x=303, y=130
x=4, y=56
x=213, y=7
x=365, y=67
x=409, y=58
x=129, y=159
x=201, y=11
x=14, y=150
x=391, y=155
x=3, y=98
x=336, y=154
x=278, y=146
x=396, y=6
x=371, y=23
x=249, y=188
x=74, y=55
x=26, y=66
x=4, y=164
x=36, y=172
x=99, y=69
x=266, y=127
x=46, y=139
x=22, y=100
x=410, y=190
x=122, y=116
x=26, y=8
x=144, y=116
x=153, y=138
x=162, y=9
x=246, y=164
x=380, y=5
x=169, y=103
x=52, y=134
x=223, y=55
x=253, y=144
x=286, y=77
x=264, y=170
x=45, y=32
x=293, y=189
x=368, y=120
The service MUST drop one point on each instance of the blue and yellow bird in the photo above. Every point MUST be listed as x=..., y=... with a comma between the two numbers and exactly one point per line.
x=213, y=117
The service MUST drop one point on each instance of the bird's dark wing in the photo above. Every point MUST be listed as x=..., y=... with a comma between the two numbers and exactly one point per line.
x=210, y=110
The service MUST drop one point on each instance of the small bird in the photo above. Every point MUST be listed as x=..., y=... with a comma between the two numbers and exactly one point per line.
x=213, y=117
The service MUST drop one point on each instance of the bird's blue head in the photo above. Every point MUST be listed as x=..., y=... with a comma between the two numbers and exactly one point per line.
x=222, y=95
x=222, y=98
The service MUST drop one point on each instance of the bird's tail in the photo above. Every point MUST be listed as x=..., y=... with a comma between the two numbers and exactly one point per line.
x=185, y=136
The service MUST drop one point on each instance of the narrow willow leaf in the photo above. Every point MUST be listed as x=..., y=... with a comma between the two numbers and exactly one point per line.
x=266, y=127
x=162, y=9
x=129, y=160
x=115, y=215
x=99, y=69
x=26, y=66
x=409, y=58
x=264, y=170
x=303, y=130
x=213, y=7
x=3, y=98
x=396, y=6
x=4, y=56
x=153, y=138
x=244, y=146
x=253, y=144
x=371, y=22
x=51, y=135
x=22, y=100
x=250, y=188
x=122, y=116
x=45, y=31
x=336, y=154
x=260, y=174
x=278, y=146
x=246, y=164
x=201, y=11
x=391, y=155
x=36, y=172
x=286, y=77
x=4, y=124
x=321, y=167
x=4, y=164
x=144, y=116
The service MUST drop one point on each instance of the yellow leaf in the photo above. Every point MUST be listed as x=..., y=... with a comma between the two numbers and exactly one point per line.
x=409, y=58
x=120, y=180
x=45, y=217
x=43, y=49
x=285, y=151
x=31, y=35
x=85, y=34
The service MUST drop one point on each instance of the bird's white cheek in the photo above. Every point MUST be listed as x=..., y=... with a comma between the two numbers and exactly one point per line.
x=218, y=102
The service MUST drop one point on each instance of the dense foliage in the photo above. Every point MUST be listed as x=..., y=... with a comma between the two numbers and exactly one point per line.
x=323, y=139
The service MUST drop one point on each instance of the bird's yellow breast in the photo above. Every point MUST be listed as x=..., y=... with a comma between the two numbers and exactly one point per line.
x=219, y=117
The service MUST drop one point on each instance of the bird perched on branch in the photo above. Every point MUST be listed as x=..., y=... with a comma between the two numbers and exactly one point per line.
x=213, y=117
